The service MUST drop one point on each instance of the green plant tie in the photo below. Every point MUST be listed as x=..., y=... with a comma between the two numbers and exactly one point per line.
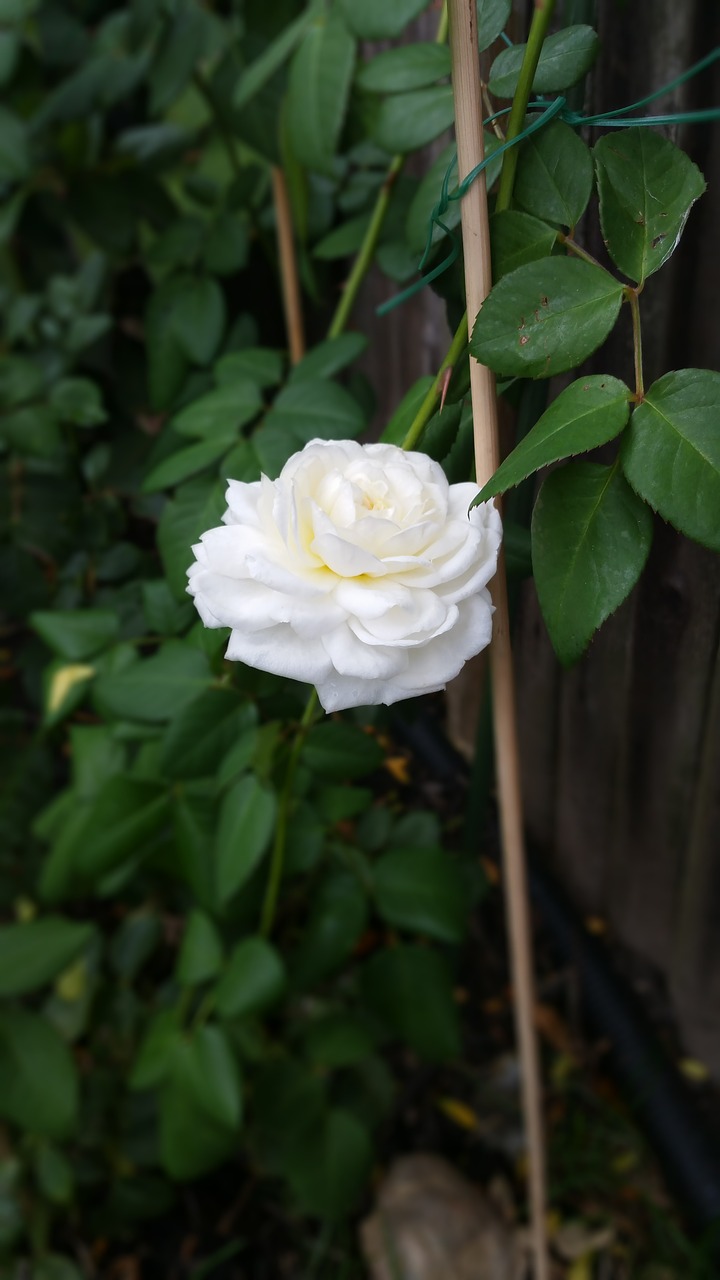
x=557, y=109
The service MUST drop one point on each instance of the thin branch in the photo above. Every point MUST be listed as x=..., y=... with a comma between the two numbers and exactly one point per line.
x=434, y=393
x=478, y=281
x=536, y=35
x=633, y=299
x=292, y=300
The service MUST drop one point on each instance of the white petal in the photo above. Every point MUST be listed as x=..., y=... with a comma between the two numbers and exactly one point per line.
x=350, y=657
x=279, y=651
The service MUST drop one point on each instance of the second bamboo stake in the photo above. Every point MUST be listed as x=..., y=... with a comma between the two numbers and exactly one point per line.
x=478, y=281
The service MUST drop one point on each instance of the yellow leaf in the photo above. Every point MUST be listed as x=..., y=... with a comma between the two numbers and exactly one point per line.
x=25, y=910
x=63, y=681
x=71, y=984
x=693, y=1070
x=459, y=1112
x=581, y=1268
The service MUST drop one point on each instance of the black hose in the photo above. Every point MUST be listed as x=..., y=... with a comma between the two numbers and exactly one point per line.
x=660, y=1099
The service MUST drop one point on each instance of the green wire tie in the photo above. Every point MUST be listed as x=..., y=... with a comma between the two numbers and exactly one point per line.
x=558, y=109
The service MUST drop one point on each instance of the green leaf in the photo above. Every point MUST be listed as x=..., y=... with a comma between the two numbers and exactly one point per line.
x=329, y=357
x=329, y=1171
x=492, y=18
x=305, y=410
x=252, y=980
x=340, y=751
x=342, y=241
x=671, y=453
x=338, y=915
x=517, y=238
x=318, y=89
x=586, y=414
x=154, y=1056
x=201, y=953
x=647, y=187
x=32, y=954
x=167, y=364
x=202, y=733
x=221, y=412
x=378, y=20
x=198, y=317
x=259, y=365
x=226, y=244
x=77, y=400
x=410, y=989
x=197, y=506
x=254, y=77
x=193, y=833
x=566, y=57
x=111, y=829
x=427, y=195
x=9, y=53
x=154, y=689
x=407, y=121
x=14, y=153
x=422, y=889
x=554, y=176
x=76, y=633
x=412, y=67
x=187, y=462
x=546, y=317
x=200, y=1105
x=338, y=1040
x=247, y=820
x=590, y=539
x=54, y=1174
x=38, y=1078
x=181, y=48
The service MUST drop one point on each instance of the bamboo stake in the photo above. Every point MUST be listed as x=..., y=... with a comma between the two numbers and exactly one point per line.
x=288, y=268
x=478, y=280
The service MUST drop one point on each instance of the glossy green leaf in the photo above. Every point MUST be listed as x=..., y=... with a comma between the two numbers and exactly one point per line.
x=76, y=633
x=251, y=981
x=591, y=537
x=202, y=733
x=126, y=813
x=566, y=57
x=407, y=121
x=586, y=414
x=198, y=317
x=197, y=506
x=647, y=187
x=247, y=821
x=546, y=317
x=422, y=890
x=329, y=357
x=410, y=989
x=304, y=410
x=492, y=18
x=201, y=952
x=517, y=238
x=193, y=815
x=154, y=689
x=38, y=1077
x=182, y=45
x=78, y=401
x=260, y=365
x=187, y=462
x=258, y=73
x=54, y=1174
x=338, y=915
x=318, y=88
x=200, y=1105
x=221, y=412
x=328, y=1172
x=14, y=151
x=154, y=1056
x=167, y=363
x=32, y=954
x=378, y=20
x=342, y=241
x=671, y=453
x=338, y=1040
x=411, y=67
x=339, y=751
x=554, y=176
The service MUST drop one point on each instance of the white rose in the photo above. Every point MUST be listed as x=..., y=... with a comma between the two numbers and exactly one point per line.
x=358, y=570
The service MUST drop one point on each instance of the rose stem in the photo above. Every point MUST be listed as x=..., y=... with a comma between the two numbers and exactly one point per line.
x=478, y=281
x=288, y=267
